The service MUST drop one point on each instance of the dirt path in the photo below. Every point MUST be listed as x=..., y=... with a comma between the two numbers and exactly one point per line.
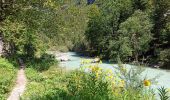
x=19, y=88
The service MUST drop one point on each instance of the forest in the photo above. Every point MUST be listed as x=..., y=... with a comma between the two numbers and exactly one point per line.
x=126, y=31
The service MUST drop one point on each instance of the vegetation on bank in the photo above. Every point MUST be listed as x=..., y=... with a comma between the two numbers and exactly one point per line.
x=90, y=82
x=7, y=78
x=46, y=84
x=131, y=29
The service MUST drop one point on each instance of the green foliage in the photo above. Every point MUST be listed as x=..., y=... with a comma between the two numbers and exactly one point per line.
x=165, y=58
x=17, y=37
x=115, y=18
x=83, y=85
x=20, y=29
x=96, y=84
x=96, y=23
x=126, y=29
x=100, y=84
x=32, y=75
x=142, y=4
x=49, y=84
x=161, y=28
x=105, y=28
x=135, y=86
x=7, y=78
x=115, y=22
x=42, y=63
x=72, y=26
x=163, y=93
x=135, y=34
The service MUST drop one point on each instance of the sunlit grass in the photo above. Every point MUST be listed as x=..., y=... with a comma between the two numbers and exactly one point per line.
x=7, y=78
x=89, y=82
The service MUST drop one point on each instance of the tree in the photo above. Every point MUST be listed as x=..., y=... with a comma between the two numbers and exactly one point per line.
x=161, y=21
x=21, y=23
x=135, y=34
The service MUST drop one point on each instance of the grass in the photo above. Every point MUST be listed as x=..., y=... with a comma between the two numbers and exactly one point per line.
x=7, y=78
x=48, y=81
x=96, y=84
x=46, y=85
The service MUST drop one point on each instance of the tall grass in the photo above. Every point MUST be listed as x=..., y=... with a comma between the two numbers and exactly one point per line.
x=45, y=79
x=45, y=85
x=94, y=83
x=90, y=82
x=7, y=78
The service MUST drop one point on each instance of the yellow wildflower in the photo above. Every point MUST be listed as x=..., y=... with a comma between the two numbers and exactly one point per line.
x=97, y=75
x=147, y=82
x=169, y=90
x=122, y=83
x=109, y=72
x=110, y=76
x=82, y=62
x=100, y=62
x=86, y=61
x=113, y=83
x=95, y=69
x=124, y=69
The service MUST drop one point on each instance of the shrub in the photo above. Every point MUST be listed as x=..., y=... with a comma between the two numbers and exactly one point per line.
x=87, y=86
x=165, y=58
x=7, y=77
x=42, y=63
x=94, y=83
x=90, y=82
x=136, y=87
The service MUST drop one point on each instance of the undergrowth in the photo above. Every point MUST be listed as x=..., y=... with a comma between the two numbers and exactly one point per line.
x=7, y=78
x=90, y=82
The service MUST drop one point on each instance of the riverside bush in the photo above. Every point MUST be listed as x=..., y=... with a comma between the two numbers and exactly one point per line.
x=7, y=77
x=165, y=58
x=42, y=63
x=83, y=86
x=90, y=82
x=94, y=83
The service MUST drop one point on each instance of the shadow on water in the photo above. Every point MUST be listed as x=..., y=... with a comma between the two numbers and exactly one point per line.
x=75, y=54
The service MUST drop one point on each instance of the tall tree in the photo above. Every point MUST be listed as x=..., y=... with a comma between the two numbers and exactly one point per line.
x=136, y=33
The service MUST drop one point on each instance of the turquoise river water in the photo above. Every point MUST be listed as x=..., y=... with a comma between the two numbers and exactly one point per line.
x=163, y=79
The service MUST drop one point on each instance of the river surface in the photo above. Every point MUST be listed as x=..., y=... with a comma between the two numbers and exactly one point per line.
x=163, y=79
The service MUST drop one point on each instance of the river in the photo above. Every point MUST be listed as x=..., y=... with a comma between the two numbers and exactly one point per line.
x=163, y=79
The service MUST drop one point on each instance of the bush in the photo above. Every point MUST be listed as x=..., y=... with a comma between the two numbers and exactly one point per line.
x=7, y=77
x=90, y=82
x=100, y=84
x=83, y=86
x=136, y=87
x=165, y=58
x=42, y=63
